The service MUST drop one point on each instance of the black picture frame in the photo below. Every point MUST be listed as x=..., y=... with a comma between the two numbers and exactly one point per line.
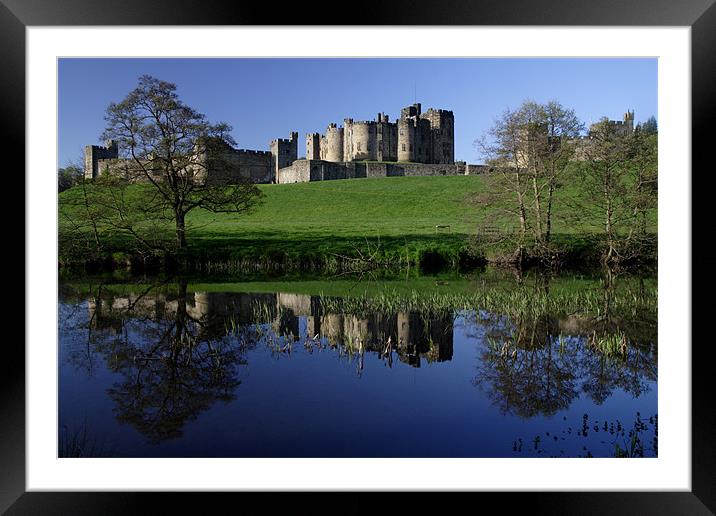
x=700, y=15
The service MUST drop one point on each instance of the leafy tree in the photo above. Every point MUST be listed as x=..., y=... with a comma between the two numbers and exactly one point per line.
x=175, y=150
x=508, y=190
x=554, y=157
x=531, y=148
x=649, y=127
x=68, y=176
x=605, y=177
x=643, y=164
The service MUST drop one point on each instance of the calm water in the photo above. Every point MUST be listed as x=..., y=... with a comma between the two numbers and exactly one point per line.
x=182, y=369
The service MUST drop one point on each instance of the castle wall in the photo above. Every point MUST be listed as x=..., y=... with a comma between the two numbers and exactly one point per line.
x=249, y=164
x=302, y=171
x=298, y=172
x=242, y=164
x=115, y=167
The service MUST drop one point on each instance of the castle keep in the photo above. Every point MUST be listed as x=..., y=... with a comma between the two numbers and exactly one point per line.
x=417, y=144
x=416, y=137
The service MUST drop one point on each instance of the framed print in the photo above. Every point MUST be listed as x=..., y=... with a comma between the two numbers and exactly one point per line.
x=243, y=279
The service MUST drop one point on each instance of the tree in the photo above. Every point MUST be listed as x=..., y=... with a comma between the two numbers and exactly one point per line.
x=648, y=127
x=643, y=164
x=605, y=177
x=554, y=156
x=68, y=176
x=620, y=178
x=173, y=148
x=507, y=191
x=531, y=148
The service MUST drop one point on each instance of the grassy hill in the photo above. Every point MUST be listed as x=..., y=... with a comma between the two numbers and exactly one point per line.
x=397, y=215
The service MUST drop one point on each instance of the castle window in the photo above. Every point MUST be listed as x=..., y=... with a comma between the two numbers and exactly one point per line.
x=358, y=145
x=403, y=148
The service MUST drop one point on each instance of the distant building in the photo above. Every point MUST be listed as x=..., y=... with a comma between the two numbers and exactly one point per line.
x=624, y=127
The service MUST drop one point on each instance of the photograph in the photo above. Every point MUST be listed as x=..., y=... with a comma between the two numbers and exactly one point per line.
x=357, y=257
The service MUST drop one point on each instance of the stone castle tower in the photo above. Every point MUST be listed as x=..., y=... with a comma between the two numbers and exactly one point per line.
x=416, y=137
x=94, y=153
x=629, y=122
x=283, y=153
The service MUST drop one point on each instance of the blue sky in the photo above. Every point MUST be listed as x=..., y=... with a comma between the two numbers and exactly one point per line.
x=267, y=98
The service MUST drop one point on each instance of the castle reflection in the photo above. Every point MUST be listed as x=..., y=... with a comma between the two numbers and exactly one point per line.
x=412, y=335
x=176, y=352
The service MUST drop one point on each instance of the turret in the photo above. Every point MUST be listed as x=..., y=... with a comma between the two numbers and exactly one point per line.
x=313, y=146
x=283, y=153
x=629, y=122
x=94, y=153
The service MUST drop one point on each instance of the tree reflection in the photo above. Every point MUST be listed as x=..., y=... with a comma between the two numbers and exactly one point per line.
x=533, y=363
x=175, y=355
x=524, y=372
x=172, y=369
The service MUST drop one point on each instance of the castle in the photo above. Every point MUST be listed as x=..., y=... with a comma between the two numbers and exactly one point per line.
x=623, y=127
x=416, y=137
x=417, y=144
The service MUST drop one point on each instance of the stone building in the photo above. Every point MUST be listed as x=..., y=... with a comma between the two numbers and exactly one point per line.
x=415, y=137
x=256, y=165
x=94, y=153
x=624, y=127
x=417, y=144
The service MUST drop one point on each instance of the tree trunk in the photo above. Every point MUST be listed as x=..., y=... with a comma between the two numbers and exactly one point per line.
x=608, y=222
x=181, y=233
x=548, y=230
x=521, y=204
x=538, y=210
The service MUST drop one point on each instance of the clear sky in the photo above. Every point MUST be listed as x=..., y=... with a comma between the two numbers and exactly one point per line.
x=268, y=98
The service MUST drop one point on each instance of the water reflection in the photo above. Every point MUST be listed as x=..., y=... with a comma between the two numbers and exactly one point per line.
x=176, y=353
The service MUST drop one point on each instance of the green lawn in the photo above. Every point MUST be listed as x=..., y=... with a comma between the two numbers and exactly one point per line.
x=392, y=206
x=312, y=219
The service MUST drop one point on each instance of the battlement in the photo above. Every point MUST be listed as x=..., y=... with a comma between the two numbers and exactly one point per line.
x=293, y=137
x=252, y=152
x=413, y=110
x=625, y=126
x=440, y=111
